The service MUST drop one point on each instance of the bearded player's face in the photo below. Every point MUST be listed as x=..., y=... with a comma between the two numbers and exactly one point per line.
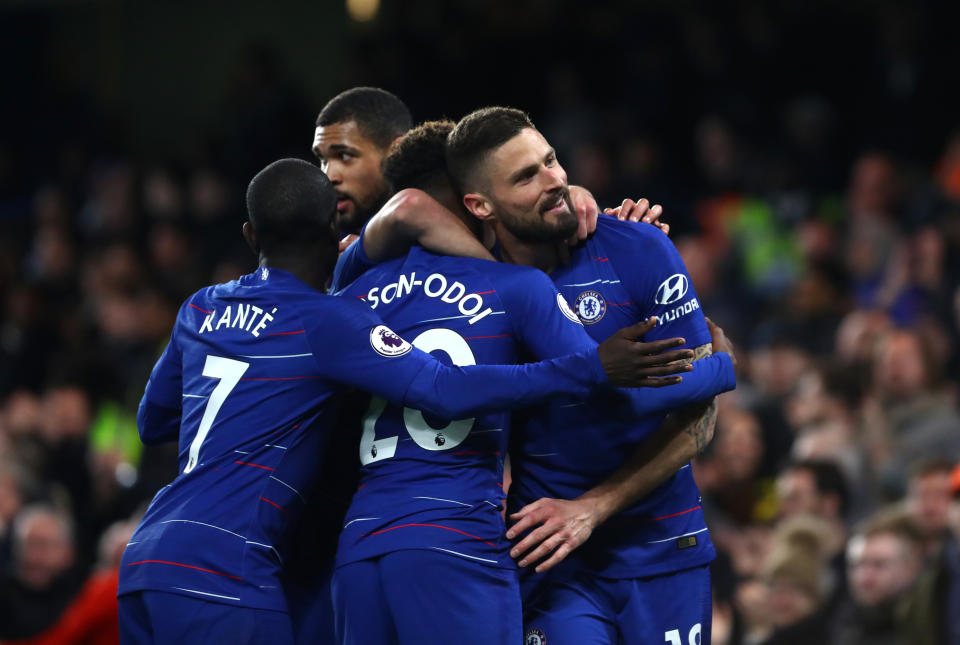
x=352, y=163
x=528, y=189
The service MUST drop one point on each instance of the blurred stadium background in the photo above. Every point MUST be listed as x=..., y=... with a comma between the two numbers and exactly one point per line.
x=807, y=155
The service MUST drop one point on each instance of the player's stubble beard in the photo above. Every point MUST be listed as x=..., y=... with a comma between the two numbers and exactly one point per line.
x=352, y=221
x=534, y=229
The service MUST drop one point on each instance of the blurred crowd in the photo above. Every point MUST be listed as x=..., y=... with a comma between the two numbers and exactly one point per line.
x=831, y=483
x=831, y=486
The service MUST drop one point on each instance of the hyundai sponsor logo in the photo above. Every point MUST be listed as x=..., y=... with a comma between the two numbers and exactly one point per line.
x=672, y=289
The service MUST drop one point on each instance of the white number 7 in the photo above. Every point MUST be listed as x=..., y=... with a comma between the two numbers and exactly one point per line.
x=229, y=372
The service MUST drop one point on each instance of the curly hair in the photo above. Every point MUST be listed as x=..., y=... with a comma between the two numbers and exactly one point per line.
x=418, y=159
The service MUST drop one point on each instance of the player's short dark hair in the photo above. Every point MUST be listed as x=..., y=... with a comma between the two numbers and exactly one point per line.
x=418, y=158
x=380, y=116
x=828, y=478
x=478, y=134
x=289, y=202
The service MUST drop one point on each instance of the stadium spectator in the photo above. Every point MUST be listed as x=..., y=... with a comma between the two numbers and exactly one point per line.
x=728, y=473
x=91, y=616
x=928, y=502
x=14, y=495
x=884, y=561
x=814, y=487
x=799, y=581
x=911, y=416
x=932, y=613
x=818, y=488
x=45, y=575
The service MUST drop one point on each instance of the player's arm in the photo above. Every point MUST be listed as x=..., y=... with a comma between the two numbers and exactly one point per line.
x=566, y=524
x=547, y=327
x=413, y=217
x=459, y=392
x=355, y=348
x=712, y=373
x=410, y=217
x=158, y=416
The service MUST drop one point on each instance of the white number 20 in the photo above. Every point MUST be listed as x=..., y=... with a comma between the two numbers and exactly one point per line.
x=428, y=438
x=229, y=372
x=673, y=636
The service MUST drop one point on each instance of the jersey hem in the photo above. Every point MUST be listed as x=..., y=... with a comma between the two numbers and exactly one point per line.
x=661, y=568
x=460, y=556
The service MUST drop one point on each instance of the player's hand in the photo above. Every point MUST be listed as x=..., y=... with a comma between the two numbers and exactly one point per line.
x=587, y=211
x=345, y=242
x=561, y=526
x=639, y=211
x=720, y=341
x=632, y=363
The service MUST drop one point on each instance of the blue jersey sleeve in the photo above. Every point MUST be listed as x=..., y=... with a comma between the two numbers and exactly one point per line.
x=156, y=423
x=659, y=284
x=542, y=320
x=711, y=375
x=548, y=328
x=355, y=348
x=351, y=264
x=158, y=417
x=662, y=288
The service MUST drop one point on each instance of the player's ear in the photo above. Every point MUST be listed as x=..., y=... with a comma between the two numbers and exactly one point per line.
x=251, y=237
x=478, y=205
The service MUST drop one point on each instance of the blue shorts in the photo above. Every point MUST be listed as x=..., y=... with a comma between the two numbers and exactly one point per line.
x=158, y=618
x=311, y=610
x=422, y=597
x=571, y=606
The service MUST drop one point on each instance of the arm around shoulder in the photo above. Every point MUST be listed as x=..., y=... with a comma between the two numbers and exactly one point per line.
x=411, y=217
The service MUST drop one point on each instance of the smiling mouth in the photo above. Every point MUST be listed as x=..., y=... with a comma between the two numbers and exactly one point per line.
x=554, y=204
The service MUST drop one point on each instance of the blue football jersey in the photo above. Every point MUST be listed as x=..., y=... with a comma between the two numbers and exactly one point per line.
x=434, y=483
x=623, y=274
x=249, y=384
x=351, y=264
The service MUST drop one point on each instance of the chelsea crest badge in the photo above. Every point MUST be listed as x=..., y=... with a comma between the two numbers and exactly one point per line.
x=590, y=307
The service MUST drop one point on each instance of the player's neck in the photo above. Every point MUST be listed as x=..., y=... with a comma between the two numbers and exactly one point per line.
x=545, y=256
x=474, y=225
x=310, y=269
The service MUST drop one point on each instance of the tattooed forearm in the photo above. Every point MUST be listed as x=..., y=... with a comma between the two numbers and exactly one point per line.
x=701, y=429
x=699, y=421
x=681, y=437
x=702, y=351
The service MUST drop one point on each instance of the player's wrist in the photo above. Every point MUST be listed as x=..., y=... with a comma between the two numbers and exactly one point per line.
x=600, y=505
x=596, y=371
x=728, y=372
